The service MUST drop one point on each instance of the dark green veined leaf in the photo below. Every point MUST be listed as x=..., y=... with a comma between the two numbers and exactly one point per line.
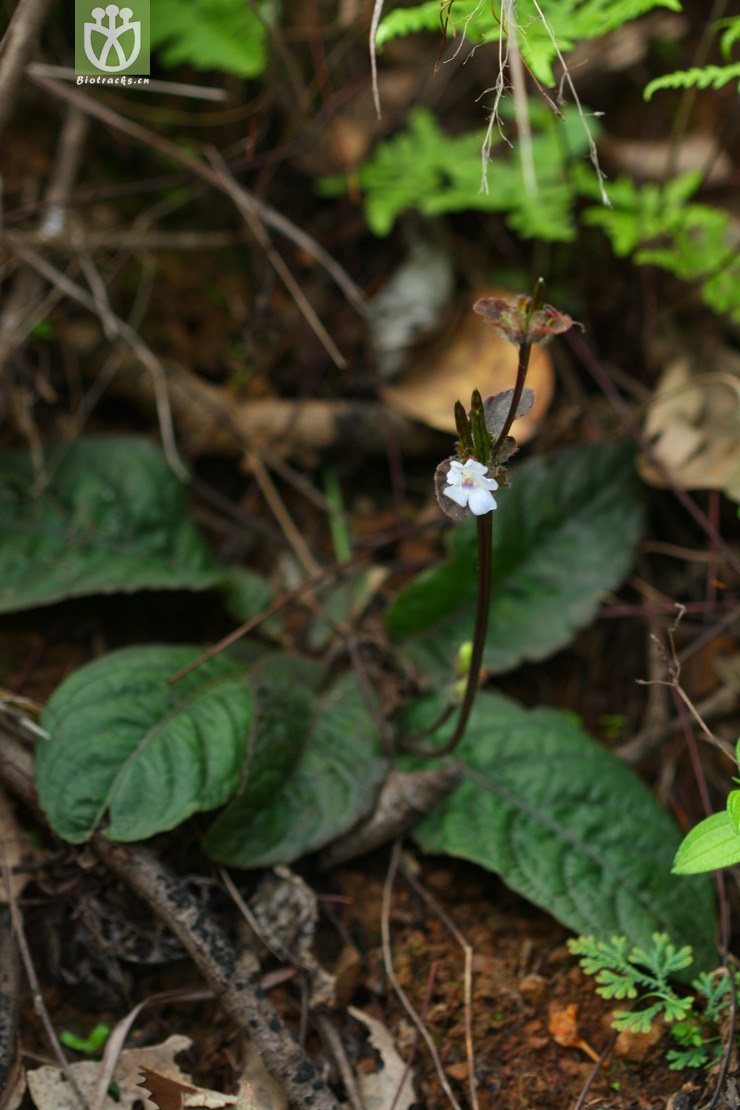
x=568, y=826
x=129, y=748
x=113, y=517
x=331, y=787
x=566, y=531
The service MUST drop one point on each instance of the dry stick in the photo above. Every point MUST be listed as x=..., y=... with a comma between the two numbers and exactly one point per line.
x=580, y=1104
x=15, y=50
x=468, y=954
x=69, y=154
x=171, y=88
x=207, y=173
x=38, y=999
x=282, y=516
x=124, y=331
x=393, y=978
x=9, y=1001
x=244, y=204
x=77, y=239
x=425, y=1004
x=333, y=1043
x=233, y=976
x=729, y=1048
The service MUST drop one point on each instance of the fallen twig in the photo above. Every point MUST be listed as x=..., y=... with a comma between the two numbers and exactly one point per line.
x=16, y=49
x=9, y=996
x=233, y=976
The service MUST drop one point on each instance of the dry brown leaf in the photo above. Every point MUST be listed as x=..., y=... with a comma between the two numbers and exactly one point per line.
x=380, y=1090
x=50, y=1090
x=170, y=1094
x=563, y=1027
x=469, y=356
x=638, y=1046
x=694, y=423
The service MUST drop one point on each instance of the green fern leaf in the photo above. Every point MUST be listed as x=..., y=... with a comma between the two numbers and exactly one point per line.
x=556, y=26
x=433, y=173
x=730, y=34
x=699, y=77
x=226, y=35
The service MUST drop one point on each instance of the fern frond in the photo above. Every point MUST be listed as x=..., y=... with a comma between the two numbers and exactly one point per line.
x=704, y=77
x=225, y=35
x=426, y=170
x=730, y=35
x=572, y=21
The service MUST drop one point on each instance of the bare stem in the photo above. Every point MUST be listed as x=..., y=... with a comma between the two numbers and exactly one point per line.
x=482, y=605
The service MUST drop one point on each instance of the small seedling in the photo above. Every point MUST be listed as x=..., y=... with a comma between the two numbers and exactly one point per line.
x=89, y=1045
x=643, y=976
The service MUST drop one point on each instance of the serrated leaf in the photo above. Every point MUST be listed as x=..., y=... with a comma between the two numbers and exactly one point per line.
x=333, y=786
x=128, y=746
x=568, y=826
x=564, y=533
x=113, y=518
x=710, y=846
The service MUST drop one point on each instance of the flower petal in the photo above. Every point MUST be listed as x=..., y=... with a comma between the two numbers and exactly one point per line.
x=457, y=494
x=481, y=501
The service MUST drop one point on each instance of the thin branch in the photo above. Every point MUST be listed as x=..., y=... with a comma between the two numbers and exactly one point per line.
x=36, y=994
x=16, y=48
x=233, y=975
x=117, y=327
x=385, y=928
x=206, y=173
x=468, y=953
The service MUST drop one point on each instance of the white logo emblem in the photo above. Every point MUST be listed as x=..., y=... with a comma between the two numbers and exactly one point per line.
x=107, y=37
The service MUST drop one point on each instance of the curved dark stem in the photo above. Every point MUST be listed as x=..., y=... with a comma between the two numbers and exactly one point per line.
x=730, y=1046
x=482, y=604
x=524, y=352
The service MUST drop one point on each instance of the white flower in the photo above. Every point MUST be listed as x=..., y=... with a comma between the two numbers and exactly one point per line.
x=468, y=486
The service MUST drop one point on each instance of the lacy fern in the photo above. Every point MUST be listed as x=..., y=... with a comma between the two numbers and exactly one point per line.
x=539, y=22
x=659, y=225
x=426, y=170
x=703, y=77
x=643, y=975
x=709, y=76
x=226, y=35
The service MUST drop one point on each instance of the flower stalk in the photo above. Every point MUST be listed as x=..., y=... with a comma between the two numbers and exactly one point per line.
x=465, y=484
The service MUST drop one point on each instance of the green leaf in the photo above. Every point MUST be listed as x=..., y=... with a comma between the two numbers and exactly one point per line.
x=566, y=531
x=332, y=786
x=126, y=744
x=567, y=22
x=710, y=846
x=226, y=35
x=112, y=518
x=566, y=825
x=733, y=808
x=698, y=77
x=434, y=173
